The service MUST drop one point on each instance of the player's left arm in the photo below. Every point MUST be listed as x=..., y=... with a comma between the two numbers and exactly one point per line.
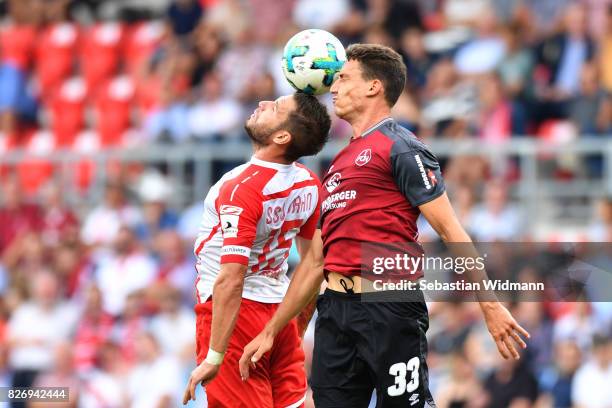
x=304, y=244
x=417, y=174
x=239, y=213
x=502, y=326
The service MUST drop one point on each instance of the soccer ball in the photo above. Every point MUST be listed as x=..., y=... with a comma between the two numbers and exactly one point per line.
x=311, y=60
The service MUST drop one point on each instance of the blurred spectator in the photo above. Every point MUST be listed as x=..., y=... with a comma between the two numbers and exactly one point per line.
x=579, y=325
x=323, y=14
x=173, y=326
x=464, y=12
x=93, y=330
x=17, y=41
x=559, y=60
x=236, y=75
x=591, y=385
x=418, y=60
x=17, y=217
x=36, y=328
x=496, y=219
x=605, y=52
x=532, y=316
x=544, y=15
x=175, y=267
x=125, y=270
x=447, y=103
x=183, y=16
x=567, y=361
x=127, y=327
x=208, y=45
x=59, y=221
x=154, y=191
x=516, y=67
x=216, y=115
x=463, y=388
x=191, y=218
x=105, y=386
x=591, y=109
x=155, y=381
x=63, y=374
x=511, y=385
x=102, y=224
x=500, y=117
x=483, y=53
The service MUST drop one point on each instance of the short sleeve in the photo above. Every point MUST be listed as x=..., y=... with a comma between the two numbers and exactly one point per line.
x=308, y=229
x=240, y=209
x=417, y=175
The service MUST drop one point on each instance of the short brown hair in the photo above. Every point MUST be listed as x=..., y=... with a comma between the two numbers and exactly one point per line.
x=309, y=125
x=382, y=63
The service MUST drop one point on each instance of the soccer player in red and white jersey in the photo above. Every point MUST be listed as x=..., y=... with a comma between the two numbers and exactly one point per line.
x=251, y=217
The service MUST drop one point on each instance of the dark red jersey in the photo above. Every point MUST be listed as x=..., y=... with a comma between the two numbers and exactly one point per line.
x=371, y=194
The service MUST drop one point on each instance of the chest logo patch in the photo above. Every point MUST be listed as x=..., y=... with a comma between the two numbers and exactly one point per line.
x=333, y=182
x=364, y=157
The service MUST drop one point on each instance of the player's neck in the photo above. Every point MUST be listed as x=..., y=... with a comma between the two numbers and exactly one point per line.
x=266, y=154
x=366, y=120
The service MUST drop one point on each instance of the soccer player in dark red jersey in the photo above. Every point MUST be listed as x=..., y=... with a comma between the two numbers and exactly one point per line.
x=251, y=217
x=374, y=191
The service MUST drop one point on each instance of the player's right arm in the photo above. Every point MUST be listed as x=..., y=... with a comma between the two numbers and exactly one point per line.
x=304, y=285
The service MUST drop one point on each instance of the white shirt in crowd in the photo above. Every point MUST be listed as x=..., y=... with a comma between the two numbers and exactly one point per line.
x=592, y=386
x=149, y=383
x=41, y=330
x=102, y=224
x=174, y=332
x=117, y=277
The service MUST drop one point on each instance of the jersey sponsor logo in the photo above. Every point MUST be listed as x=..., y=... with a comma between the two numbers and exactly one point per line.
x=364, y=157
x=338, y=200
x=235, y=250
x=230, y=209
x=333, y=182
x=422, y=170
x=301, y=207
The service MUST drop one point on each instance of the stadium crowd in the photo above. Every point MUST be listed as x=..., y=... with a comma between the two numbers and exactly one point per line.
x=100, y=298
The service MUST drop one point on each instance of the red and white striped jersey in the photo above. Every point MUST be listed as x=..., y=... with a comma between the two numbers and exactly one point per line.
x=250, y=217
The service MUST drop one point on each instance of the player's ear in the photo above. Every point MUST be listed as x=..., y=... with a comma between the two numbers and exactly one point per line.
x=375, y=86
x=281, y=137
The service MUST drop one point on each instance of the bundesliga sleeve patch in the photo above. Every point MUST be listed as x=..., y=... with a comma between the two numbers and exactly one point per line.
x=230, y=216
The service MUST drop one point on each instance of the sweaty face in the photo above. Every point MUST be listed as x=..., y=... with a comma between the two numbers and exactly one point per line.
x=269, y=117
x=349, y=90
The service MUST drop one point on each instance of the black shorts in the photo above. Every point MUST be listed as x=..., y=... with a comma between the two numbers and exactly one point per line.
x=365, y=345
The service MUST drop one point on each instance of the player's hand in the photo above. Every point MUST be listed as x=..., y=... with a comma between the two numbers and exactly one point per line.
x=202, y=374
x=504, y=329
x=253, y=352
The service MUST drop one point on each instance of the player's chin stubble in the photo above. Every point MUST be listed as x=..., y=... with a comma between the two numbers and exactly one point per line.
x=258, y=137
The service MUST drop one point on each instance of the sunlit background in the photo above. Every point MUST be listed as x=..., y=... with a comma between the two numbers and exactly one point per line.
x=117, y=116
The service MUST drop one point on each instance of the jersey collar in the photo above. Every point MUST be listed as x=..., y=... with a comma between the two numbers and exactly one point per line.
x=372, y=128
x=271, y=165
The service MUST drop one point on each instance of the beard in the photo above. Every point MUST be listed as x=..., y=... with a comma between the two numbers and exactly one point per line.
x=259, y=134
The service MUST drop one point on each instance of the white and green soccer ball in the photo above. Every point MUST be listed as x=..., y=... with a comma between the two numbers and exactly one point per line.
x=311, y=60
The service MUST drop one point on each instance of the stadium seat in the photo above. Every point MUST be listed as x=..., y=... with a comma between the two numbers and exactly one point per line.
x=100, y=53
x=67, y=108
x=141, y=41
x=54, y=55
x=35, y=171
x=113, y=109
x=17, y=45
